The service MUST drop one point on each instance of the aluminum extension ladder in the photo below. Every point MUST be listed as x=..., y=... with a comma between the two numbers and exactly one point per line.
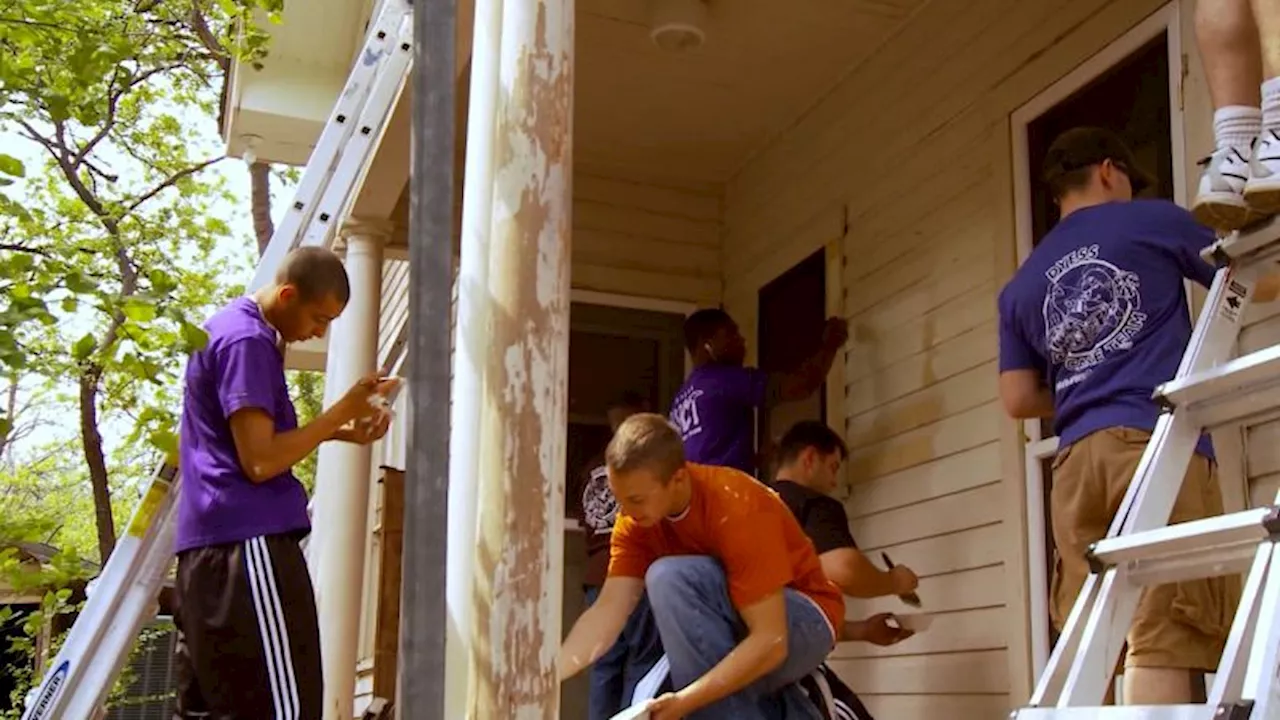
x=1211, y=390
x=125, y=594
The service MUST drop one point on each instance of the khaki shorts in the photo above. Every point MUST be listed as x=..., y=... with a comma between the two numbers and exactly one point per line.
x=1180, y=625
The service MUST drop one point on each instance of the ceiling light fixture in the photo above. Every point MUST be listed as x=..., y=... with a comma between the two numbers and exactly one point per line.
x=678, y=25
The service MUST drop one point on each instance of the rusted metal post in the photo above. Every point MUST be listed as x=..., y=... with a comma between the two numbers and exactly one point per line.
x=519, y=557
x=420, y=686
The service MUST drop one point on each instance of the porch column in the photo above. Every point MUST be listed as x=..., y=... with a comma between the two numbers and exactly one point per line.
x=344, y=472
x=470, y=358
x=514, y=624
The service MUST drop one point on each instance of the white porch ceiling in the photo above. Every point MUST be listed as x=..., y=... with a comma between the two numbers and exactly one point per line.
x=700, y=115
x=640, y=111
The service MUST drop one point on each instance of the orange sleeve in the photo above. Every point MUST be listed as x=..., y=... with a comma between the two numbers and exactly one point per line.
x=753, y=549
x=630, y=552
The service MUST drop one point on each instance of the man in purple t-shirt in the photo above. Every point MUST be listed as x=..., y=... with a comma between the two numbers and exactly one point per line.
x=248, y=640
x=1091, y=323
x=715, y=408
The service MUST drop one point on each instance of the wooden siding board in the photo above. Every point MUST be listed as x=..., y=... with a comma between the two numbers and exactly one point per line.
x=917, y=179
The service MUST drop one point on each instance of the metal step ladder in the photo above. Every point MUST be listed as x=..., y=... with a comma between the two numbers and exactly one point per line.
x=1209, y=391
x=125, y=594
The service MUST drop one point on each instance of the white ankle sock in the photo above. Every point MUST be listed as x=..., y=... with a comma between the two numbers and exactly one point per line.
x=1271, y=104
x=1238, y=125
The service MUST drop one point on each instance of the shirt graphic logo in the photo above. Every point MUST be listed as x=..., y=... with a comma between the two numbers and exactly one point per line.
x=599, y=506
x=684, y=415
x=1092, y=310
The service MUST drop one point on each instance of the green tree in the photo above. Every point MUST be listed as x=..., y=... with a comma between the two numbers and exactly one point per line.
x=108, y=257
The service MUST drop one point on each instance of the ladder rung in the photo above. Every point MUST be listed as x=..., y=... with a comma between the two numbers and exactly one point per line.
x=1244, y=407
x=1130, y=712
x=1194, y=564
x=1240, y=528
x=1247, y=245
x=1232, y=391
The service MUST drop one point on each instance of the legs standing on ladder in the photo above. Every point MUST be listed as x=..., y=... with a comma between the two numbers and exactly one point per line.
x=1239, y=43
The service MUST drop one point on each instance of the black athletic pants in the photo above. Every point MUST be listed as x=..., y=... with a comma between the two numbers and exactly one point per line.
x=248, y=639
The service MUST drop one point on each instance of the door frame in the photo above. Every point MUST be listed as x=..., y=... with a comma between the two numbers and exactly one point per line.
x=636, y=302
x=1035, y=448
x=633, y=302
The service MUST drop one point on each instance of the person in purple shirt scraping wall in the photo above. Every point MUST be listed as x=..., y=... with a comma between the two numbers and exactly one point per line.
x=1093, y=320
x=248, y=640
x=715, y=408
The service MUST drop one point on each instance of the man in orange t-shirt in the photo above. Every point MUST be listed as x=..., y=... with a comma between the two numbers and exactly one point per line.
x=735, y=586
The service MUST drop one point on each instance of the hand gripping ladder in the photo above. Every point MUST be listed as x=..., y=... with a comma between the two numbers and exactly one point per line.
x=1210, y=390
x=125, y=593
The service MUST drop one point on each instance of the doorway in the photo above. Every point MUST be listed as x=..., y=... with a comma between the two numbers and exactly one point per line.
x=614, y=351
x=1131, y=88
x=617, y=351
x=792, y=309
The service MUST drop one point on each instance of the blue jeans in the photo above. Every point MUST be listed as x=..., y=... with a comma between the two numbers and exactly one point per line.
x=699, y=627
x=614, y=675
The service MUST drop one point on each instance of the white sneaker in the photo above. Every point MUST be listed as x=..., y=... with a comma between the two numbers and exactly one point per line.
x=1262, y=191
x=1220, y=202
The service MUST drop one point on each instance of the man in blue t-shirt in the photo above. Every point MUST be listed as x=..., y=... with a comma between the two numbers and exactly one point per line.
x=248, y=639
x=1092, y=322
x=715, y=408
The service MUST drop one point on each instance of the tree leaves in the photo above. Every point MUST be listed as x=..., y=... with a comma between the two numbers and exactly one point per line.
x=112, y=243
x=11, y=170
x=118, y=230
x=139, y=310
x=12, y=167
x=194, y=338
x=84, y=347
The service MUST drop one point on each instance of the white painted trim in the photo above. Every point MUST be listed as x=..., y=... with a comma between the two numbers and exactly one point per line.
x=1171, y=16
x=637, y=302
x=1164, y=20
x=633, y=302
x=837, y=378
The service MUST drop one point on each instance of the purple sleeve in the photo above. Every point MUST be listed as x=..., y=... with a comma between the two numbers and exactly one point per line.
x=748, y=384
x=1189, y=238
x=245, y=377
x=1015, y=352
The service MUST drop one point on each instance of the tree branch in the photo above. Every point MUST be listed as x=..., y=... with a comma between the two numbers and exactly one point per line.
x=152, y=72
x=13, y=247
x=11, y=410
x=99, y=172
x=73, y=179
x=33, y=23
x=207, y=39
x=63, y=145
x=128, y=288
x=41, y=140
x=170, y=182
x=113, y=99
x=260, y=204
x=114, y=95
